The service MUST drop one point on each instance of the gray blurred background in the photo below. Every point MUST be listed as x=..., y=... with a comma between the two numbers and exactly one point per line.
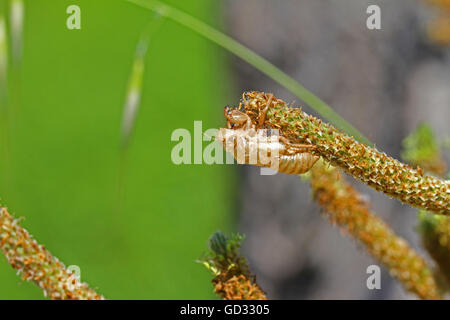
x=385, y=82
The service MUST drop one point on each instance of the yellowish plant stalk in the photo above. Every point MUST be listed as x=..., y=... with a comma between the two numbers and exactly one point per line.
x=439, y=28
x=367, y=164
x=36, y=264
x=344, y=206
x=237, y=287
x=441, y=4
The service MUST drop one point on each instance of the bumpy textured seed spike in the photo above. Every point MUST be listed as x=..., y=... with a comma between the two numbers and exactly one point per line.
x=233, y=279
x=365, y=163
x=344, y=207
x=237, y=287
x=36, y=264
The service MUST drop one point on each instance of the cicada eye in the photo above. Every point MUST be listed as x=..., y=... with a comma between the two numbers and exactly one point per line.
x=237, y=116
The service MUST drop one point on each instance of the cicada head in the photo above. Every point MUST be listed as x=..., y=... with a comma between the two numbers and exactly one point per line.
x=235, y=118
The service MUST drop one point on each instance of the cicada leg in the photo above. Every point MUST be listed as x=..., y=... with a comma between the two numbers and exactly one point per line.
x=262, y=116
x=294, y=148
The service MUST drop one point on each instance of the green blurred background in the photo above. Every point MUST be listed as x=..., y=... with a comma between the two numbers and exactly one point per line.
x=60, y=165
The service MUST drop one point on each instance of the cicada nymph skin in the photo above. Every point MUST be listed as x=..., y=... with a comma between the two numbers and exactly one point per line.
x=259, y=147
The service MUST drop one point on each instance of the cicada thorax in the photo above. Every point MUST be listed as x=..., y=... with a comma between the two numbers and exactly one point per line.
x=262, y=149
x=251, y=147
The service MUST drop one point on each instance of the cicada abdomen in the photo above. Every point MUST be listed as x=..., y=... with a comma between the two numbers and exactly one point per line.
x=298, y=163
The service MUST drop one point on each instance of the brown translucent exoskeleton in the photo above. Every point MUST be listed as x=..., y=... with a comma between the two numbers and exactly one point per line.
x=251, y=145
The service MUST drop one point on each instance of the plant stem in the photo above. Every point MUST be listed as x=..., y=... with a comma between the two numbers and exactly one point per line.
x=253, y=59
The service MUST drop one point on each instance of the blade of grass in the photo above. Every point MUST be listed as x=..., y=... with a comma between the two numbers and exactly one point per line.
x=255, y=60
x=4, y=97
x=17, y=14
x=3, y=63
x=133, y=101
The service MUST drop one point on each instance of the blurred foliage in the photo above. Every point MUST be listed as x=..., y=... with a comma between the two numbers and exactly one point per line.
x=61, y=170
x=224, y=254
x=421, y=148
x=447, y=143
x=420, y=145
x=435, y=231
